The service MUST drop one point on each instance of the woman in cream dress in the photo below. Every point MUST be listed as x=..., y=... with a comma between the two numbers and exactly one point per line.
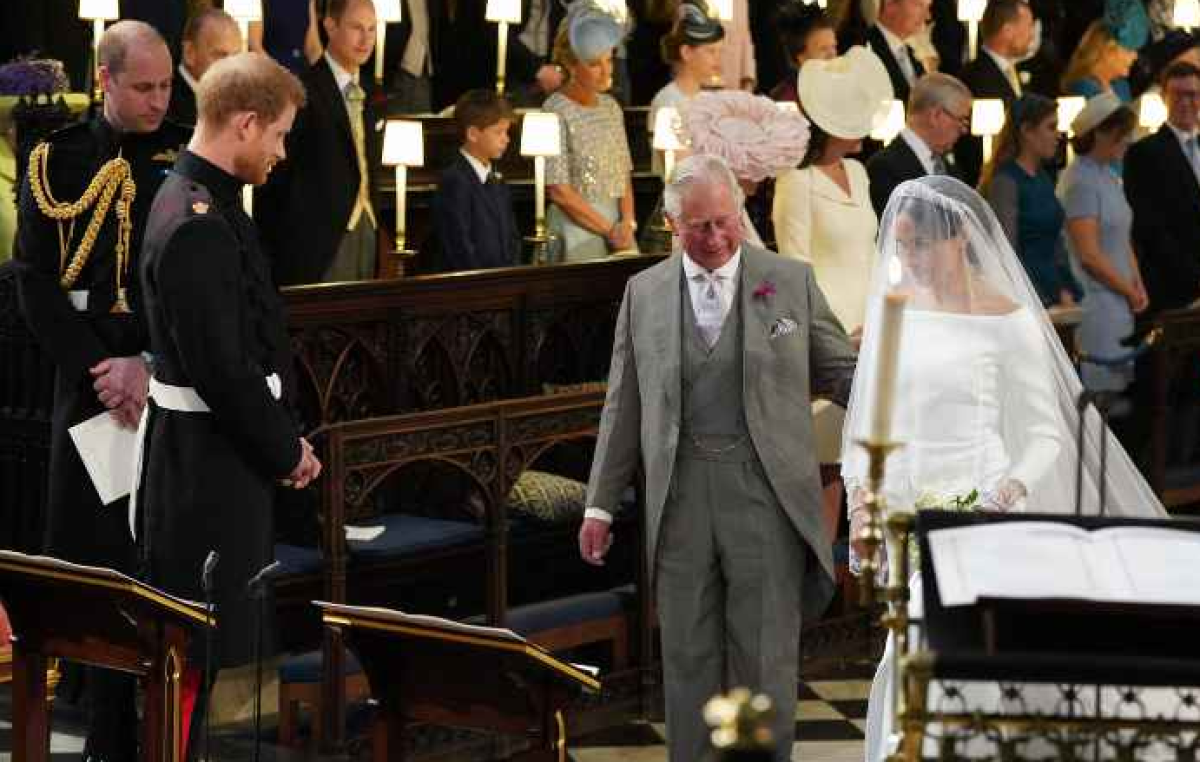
x=823, y=213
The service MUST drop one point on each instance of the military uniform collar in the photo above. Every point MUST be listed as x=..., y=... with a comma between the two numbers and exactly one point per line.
x=223, y=186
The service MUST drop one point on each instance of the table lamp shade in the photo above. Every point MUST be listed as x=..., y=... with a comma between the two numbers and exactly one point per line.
x=971, y=10
x=107, y=10
x=889, y=121
x=1069, y=108
x=1152, y=112
x=403, y=144
x=666, y=129
x=1186, y=14
x=987, y=116
x=244, y=10
x=508, y=11
x=721, y=9
x=388, y=11
x=540, y=134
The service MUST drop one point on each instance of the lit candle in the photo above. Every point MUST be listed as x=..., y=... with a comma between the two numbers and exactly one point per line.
x=887, y=356
x=501, y=56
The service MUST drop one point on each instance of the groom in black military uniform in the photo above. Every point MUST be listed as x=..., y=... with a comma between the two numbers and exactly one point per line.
x=219, y=342
x=82, y=210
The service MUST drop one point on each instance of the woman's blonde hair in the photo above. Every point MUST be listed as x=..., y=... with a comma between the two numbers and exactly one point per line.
x=1096, y=43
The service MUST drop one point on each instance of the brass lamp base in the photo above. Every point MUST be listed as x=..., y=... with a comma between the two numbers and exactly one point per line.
x=405, y=260
x=539, y=248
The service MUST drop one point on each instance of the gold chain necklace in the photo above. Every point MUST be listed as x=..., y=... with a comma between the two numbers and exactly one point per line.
x=115, y=175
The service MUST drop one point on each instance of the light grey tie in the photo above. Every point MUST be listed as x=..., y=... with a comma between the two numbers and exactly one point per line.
x=906, y=65
x=1193, y=154
x=939, y=165
x=709, y=312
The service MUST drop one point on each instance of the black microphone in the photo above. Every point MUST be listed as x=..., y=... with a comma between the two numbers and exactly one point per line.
x=257, y=583
x=206, y=573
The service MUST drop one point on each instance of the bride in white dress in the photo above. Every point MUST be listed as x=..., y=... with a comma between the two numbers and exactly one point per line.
x=985, y=394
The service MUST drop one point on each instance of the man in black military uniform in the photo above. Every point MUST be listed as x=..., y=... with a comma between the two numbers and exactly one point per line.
x=82, y=210
x=219, y=342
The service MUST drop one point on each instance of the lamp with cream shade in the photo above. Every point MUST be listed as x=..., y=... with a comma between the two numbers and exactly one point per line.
x=987, y=119
x=889, y=121
x=971, y=11
x=503, y=13
x=541, y=136
x=243, y=12
x=1152, y=111
x=1186, y=14
x=721, y=9
x=403, y=147
x=98, y=11
x=666, y=137
x=1069, y=108
x=386, y=12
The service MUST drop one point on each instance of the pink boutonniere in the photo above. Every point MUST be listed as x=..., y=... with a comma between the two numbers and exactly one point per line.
x=765, y=290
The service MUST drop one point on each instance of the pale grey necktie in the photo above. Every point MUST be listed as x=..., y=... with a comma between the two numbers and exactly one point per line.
x=906, y=65
x=709, y=312
x=939, y=165
x=1193, y=155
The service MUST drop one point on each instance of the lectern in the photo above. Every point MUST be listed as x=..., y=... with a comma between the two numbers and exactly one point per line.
x=100, y=617
x=426, y=669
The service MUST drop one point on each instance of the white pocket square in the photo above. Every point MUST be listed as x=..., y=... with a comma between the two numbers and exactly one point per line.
x=783, y=326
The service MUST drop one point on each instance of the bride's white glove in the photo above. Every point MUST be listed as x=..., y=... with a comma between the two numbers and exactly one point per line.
x=1007, y=494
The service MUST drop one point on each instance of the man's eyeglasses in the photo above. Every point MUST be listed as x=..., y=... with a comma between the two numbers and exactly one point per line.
x=964, y=122
x=718, y=224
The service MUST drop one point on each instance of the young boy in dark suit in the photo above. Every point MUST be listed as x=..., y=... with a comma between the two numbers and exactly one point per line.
x=472, y=209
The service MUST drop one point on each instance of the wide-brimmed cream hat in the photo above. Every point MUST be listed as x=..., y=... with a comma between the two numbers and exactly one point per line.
x=842, y=95
x=1098, y=108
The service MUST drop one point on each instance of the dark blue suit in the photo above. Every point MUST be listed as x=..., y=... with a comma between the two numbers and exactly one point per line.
x=473, y=222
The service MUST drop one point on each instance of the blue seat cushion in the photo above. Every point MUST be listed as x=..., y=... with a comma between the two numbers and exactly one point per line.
x=306, y=667
x=297, y=559
x=405, y=534
x=563, y=612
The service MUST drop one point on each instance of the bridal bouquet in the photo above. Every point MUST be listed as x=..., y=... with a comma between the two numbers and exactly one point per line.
x=928, y=500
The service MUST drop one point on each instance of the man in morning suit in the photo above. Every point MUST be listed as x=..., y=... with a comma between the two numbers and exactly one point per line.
x=1005, y=33
x=717, y=353
x=317, y=213
x=533, y=75
x=938, y=115
x=209, y=36
x=219, y=342
x=897, y=21
x=1162, y=183
x=79, y=297
x=473, y=219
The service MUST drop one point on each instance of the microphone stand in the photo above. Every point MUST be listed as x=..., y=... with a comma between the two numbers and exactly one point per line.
x=206, y=581
x=257, y=588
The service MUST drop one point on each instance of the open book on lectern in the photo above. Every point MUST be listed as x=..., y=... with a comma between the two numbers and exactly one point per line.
x=1051, y=560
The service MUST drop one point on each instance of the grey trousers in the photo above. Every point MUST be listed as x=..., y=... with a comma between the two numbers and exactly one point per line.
x=356, y=255
x=728, y=581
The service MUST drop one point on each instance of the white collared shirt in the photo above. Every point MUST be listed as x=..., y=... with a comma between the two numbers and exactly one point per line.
x=1007, y=68
x=697, y=282
x=920, y=148
x=899, y=50
x=340, y=76
x=1182, y=137
x=187, y=77
x=481, y=170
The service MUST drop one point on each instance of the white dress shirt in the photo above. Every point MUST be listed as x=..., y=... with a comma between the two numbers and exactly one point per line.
x=899, y=50
x=1007, y=68
x=187, y=77
x=1191, y=151
x=481, y=170
x=698, y=281
x=920, y=148
x=341, y=77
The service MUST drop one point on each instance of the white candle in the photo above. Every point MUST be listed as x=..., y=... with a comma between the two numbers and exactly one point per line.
x=401, y=183
x=887, y=355
x=380, y=35
x=501, y=55
x=539, y=191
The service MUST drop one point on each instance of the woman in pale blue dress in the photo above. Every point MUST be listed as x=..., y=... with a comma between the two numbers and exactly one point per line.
x=1099, y=223
x=589, y=184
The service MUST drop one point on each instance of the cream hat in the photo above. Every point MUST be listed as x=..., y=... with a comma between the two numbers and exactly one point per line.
x=1098, y=108
x=842, y=95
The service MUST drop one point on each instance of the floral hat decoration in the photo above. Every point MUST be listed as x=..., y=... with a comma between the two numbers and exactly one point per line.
x=750, y=132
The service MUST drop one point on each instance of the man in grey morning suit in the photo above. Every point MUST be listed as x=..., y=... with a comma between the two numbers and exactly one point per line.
x=709, y=390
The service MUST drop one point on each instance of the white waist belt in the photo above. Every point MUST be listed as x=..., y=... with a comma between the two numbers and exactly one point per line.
x=182, y=399
x=78, y=300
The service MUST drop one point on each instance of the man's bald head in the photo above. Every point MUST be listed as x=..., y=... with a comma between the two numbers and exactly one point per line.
x=209, y=36
x=135, y=74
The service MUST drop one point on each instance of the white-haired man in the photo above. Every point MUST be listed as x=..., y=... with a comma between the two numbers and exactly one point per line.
x=709, y=389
